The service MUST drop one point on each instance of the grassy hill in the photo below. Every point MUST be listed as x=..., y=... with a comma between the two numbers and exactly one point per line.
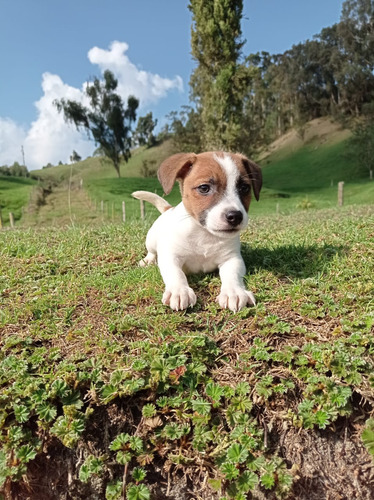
x=302, y=173
x=299, y=173
x=14, y=196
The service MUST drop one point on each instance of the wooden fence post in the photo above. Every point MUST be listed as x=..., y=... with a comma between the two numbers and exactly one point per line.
x=11, y=219
x=340, y=193
x=123, y=211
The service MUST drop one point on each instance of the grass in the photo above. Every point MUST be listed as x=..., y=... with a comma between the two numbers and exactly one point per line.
x=106, y=393
x=95, y=168
x=100, y=201
x=113, y=191
x=311, y=168
x=14, y=195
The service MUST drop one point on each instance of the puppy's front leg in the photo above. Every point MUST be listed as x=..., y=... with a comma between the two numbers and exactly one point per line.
x=178, y=294
x=233, y=293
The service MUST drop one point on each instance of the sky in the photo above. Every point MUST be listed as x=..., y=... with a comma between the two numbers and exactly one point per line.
x=49, y=49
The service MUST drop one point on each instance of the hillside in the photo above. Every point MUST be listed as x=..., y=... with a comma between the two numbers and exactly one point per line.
x=318, y=132
x=15, y=193
x=299, y=173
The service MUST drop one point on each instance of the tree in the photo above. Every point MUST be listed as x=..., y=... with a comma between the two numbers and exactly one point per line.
x=74, y=157
x=17, y=170
x=106, y=120
x=361, y=147
x=218, y=80
x=356, y=31
x=186, y=129
x=144, y=130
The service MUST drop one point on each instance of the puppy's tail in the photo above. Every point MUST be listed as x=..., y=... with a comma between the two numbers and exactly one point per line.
x=156, y=200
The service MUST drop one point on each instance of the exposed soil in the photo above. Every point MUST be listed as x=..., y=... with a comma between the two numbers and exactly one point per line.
x=327, y=465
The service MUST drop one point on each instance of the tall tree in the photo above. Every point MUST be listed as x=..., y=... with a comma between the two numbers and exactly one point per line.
x=218, y=80
x=185, y=127
x=144, y=130
x=361, y=147
x=106, y=120
x=356, y=31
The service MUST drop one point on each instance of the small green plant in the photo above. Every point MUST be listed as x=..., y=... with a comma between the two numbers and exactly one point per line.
x=306, y=204
x=138, y=492
x=368, y=436
x=91, y=466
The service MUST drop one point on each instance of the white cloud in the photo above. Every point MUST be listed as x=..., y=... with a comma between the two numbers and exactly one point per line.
x=147, y=87
x=50, y=139
x=12, y=138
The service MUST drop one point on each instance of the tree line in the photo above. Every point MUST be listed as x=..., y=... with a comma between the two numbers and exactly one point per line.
x=15, y=170
x=242, y=102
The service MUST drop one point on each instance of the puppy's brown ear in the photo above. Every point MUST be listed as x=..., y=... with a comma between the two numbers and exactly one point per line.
x=174, y=168
x=255, y=175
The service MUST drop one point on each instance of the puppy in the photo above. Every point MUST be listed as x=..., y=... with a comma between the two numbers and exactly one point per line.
x=201, y=234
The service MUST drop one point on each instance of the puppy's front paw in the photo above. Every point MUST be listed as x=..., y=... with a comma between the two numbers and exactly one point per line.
x=235, y=298
x=179, y=298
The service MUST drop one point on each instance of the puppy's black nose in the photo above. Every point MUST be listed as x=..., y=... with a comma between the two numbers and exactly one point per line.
x=234, y=217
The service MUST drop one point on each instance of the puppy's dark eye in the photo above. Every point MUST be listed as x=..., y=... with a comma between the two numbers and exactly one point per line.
x=244, y=189
x=204, y=189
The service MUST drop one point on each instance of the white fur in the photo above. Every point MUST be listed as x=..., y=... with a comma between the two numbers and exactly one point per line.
x=230, y=199
x=181, y=245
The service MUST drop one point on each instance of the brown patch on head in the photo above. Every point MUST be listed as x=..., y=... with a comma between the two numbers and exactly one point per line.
x=204, y=185
x=174, y=168
x=253, y=172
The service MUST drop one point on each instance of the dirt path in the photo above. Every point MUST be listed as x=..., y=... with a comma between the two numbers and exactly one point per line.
x=64, y=207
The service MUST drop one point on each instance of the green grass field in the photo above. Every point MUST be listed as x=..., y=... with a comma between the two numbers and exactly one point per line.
x=104, y=390
x=14, y=196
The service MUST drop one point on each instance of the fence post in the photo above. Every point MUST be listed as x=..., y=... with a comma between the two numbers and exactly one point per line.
x=123, y=211
x=340, y=193
x=11, y=219
x=142, y=209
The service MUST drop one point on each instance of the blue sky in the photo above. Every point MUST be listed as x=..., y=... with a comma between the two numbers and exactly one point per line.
x=50, y=48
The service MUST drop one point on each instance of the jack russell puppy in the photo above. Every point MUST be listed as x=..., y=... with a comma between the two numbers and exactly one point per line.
x=201, y=234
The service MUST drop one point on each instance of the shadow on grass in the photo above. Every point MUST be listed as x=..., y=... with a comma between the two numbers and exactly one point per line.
x=290, y=260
